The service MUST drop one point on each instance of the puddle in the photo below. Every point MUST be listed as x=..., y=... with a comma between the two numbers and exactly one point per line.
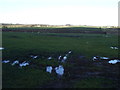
x=1, y=48
x=49, y=69
x=15, y=62
x=6, y=61
x=113, y=61
x=59, y=70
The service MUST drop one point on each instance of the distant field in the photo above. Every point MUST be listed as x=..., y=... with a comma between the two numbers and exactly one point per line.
x=55, y=29
x=19, y=45
x=67, y=29
x=87, y=44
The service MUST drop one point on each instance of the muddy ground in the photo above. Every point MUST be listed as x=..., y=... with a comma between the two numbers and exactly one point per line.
x=82, y=69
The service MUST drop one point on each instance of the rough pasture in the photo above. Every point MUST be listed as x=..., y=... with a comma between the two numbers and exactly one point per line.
x=80, y=70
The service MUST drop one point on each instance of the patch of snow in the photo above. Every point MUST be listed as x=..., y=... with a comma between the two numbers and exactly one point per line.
x=94, y=58
x=49, y=69
x=113, y=61
x=34, y=57
x=70, y=52
x=1, y=48
x=59, y=57
x=104, y=58
x=24, y=64
x=15, y=62
x=6, y=61
x=114, y=47
x=118, y=60
x=49, y=58
x=59, y=70
x=64, y=58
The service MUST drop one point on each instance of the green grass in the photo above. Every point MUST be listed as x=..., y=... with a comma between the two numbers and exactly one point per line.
x=14, y=77
x=19, y=45
x=94, y=83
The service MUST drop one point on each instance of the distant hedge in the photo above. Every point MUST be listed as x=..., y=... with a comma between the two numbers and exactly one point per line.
x=55, y=30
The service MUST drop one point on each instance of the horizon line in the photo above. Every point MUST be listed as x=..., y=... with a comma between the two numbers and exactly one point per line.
x=68, y=24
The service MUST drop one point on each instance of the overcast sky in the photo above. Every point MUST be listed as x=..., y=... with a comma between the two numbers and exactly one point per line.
x=60, y=12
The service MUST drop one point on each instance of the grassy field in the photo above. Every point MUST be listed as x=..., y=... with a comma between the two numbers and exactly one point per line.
x=19, y=45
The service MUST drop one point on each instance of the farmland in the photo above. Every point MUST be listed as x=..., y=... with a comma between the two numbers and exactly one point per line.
x=80, y=70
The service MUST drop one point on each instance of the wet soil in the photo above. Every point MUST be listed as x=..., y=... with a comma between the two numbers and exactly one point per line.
x=84, y=68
